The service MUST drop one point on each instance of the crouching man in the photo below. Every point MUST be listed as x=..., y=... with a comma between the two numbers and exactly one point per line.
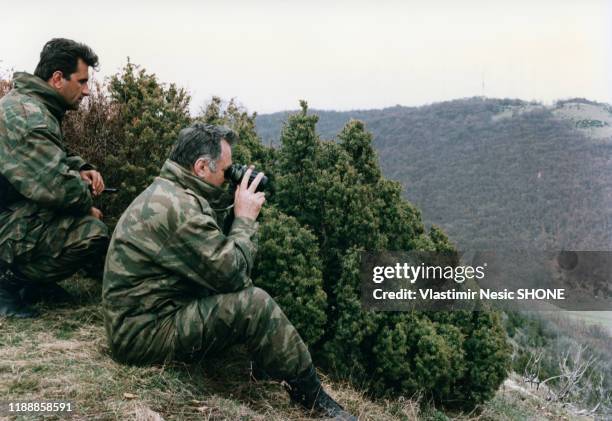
x=176, y=287
x=49, y=228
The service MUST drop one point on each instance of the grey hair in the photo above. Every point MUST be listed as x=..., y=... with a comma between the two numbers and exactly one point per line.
x=201, y=141
x=212, y=163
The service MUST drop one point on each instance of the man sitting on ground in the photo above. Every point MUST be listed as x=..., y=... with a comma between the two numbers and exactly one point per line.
x=176, y=287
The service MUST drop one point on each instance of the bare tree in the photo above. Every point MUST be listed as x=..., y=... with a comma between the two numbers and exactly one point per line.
x=573, y=367
x=531, y=374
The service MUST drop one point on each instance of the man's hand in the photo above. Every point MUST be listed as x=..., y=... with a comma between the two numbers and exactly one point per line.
x=96, y=213
x=247, y=203
x=94, y=179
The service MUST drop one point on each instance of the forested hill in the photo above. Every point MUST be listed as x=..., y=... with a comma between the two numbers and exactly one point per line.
x=495, y=173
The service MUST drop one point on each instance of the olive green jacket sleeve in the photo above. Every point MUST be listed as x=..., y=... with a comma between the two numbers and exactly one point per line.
x=200, y=251
x=41, y=171
x=76, y=163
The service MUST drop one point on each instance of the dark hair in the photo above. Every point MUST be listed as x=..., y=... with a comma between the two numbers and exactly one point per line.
x=200, y=140
x=63, y=54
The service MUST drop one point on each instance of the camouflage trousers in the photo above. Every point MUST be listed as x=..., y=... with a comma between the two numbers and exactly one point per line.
x=44, y=246
x=208, y=326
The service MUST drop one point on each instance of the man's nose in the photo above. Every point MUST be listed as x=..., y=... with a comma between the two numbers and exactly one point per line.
x=85, y=90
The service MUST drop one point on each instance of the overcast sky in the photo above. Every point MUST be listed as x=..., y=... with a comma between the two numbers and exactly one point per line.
x=335, y=54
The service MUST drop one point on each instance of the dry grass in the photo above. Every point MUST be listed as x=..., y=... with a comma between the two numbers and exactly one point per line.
x=516, y=401
x=63, y=356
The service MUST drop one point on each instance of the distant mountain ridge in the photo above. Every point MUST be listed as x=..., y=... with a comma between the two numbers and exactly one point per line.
x=495, y=172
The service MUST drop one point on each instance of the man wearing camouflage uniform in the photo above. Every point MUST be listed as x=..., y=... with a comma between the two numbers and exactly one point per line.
x=176, y=286
x=49, y=228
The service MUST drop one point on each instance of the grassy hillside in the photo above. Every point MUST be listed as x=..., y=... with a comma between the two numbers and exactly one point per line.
x=63, y=355
x=603, y=318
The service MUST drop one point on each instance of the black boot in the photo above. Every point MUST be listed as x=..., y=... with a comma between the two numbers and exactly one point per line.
x=11, y=303
x=32, y=293
x=308, y=392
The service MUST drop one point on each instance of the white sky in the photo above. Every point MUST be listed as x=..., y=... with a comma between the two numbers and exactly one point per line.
x=335, y=54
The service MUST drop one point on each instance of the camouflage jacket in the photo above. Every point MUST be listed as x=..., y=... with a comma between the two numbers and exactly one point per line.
x=37, y=175
x=34, y=163
x=168, y=248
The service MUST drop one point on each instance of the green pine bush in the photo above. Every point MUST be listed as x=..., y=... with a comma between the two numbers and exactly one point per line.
x=337, y=190
x=127, y=131
x=289, y=268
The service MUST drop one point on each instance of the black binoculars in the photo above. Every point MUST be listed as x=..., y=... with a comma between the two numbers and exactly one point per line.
x=235, y=173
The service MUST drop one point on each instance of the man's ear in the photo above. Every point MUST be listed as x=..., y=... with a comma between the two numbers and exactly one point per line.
x=57, y=79
x=200, y=167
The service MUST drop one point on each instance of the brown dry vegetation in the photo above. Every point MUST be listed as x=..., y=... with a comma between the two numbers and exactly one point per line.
x=5, y=86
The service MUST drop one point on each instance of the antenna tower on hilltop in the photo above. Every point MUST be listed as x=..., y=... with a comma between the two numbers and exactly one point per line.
x=483, y=85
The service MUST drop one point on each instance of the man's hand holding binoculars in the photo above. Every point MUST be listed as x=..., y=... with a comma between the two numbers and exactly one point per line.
x=247, y=201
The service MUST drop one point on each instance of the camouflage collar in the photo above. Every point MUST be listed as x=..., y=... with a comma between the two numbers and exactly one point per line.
x=217, y=197
x=26, y=83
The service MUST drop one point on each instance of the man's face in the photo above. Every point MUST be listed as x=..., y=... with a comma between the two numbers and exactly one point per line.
x=74, y=89
x=217, y=178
